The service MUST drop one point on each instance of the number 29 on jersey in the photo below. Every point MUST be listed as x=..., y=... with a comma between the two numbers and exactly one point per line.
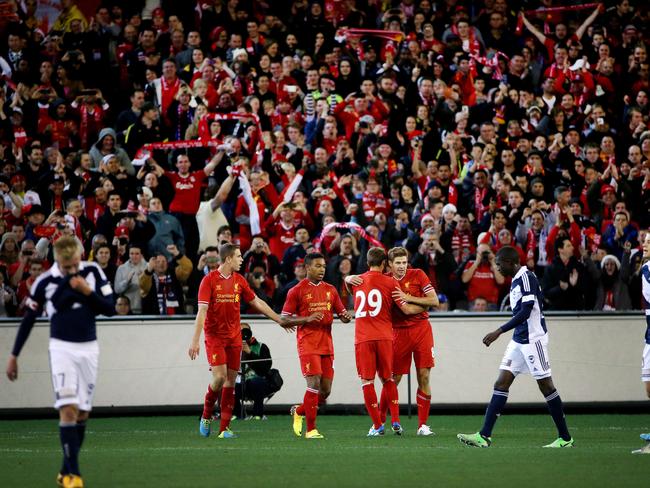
x=368, y=305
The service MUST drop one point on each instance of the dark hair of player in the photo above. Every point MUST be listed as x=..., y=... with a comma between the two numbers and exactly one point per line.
x=397, y=252
x=313, y=256
x=508, y=253
x=227, y=250
x=376, y=256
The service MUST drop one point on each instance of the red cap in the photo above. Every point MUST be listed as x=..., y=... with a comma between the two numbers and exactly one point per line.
x=158, y=12
x=122, y=231
x=427, y=216
x=17, y=178
x=45, y=231
x=606, y=189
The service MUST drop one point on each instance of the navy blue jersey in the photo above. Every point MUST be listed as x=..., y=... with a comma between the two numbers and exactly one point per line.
x=72, y=314
x=525, y=288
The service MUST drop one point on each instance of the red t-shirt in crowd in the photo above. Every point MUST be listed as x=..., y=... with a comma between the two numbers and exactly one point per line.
x=416, y=283
x=305, y=299
x=223, y=296
x=280, y=237
x=373, y=302
x=187, y=196
x=483, y=284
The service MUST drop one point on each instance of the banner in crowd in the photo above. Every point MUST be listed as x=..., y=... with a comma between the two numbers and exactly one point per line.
x=204, y=137
x=350, y=226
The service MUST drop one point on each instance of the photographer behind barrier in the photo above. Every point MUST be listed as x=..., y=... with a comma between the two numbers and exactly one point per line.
x=257, y=380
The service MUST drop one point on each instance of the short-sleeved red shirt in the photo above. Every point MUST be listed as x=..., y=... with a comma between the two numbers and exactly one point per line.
x=483, y=284
x=416, y=283
x=373, y=303
x=223, y=295
x=187, y=196
x=305, y=299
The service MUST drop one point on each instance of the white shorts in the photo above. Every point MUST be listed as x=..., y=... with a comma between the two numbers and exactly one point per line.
x=645, y=364
x=74, y=372
x=528, y=358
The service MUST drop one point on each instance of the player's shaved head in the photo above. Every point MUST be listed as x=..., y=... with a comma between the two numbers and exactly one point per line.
x=376, y=257
x=508, y=253
x=507, y=260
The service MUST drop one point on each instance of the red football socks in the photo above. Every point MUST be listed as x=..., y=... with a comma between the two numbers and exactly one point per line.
x=370, y=398
x=424, y=405
x=310, y=404
x=392, y=398
x=383, y=406
x=208, y=404
x=227, y=406
x=300, y=409
x=322, y=400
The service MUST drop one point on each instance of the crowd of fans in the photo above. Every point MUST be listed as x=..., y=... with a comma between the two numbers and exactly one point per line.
x=449, y=127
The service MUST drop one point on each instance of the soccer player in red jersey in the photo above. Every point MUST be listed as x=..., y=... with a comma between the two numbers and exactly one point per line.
x=220, y=294
x=373, y=337
x=315, y=348
x=412, y=335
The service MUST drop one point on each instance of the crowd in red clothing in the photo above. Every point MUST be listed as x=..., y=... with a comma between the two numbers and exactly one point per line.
x=449, y=127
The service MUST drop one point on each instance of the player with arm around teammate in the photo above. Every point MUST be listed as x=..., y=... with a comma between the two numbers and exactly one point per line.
x=373, y=337
x=645, y=364
x=412, y=334
x=527, y=352
x=220, y=296
x=72, y=293
x=315, y=347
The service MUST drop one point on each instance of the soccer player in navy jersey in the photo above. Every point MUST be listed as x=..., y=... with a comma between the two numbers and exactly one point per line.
x=645, y=365
x=527, y=352
x=72, y=293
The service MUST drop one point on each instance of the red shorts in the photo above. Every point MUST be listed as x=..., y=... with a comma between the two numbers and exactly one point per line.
x=317, y=365
x=414, y=341
x=374, y=358
x=221, y=352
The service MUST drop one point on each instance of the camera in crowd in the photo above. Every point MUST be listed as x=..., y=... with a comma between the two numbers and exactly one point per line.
x=246, y=334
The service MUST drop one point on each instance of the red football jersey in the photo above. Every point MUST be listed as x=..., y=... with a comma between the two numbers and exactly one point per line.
x=223, y=295
x=281, y=238
x=373, y=303
x=305, y=299
x=187, y=196
x=416, y=283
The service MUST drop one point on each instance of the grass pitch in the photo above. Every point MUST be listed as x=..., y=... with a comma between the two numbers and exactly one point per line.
x=168, y=452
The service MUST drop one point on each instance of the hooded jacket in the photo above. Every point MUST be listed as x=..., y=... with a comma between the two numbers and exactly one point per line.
x=168, y=231
x=96, y=154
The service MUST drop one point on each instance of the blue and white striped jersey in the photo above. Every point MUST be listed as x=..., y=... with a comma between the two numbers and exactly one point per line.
x=525, y=288
x=71, y=314
x=645, y=279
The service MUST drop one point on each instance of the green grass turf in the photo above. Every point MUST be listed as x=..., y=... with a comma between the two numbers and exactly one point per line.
x=168, y=452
